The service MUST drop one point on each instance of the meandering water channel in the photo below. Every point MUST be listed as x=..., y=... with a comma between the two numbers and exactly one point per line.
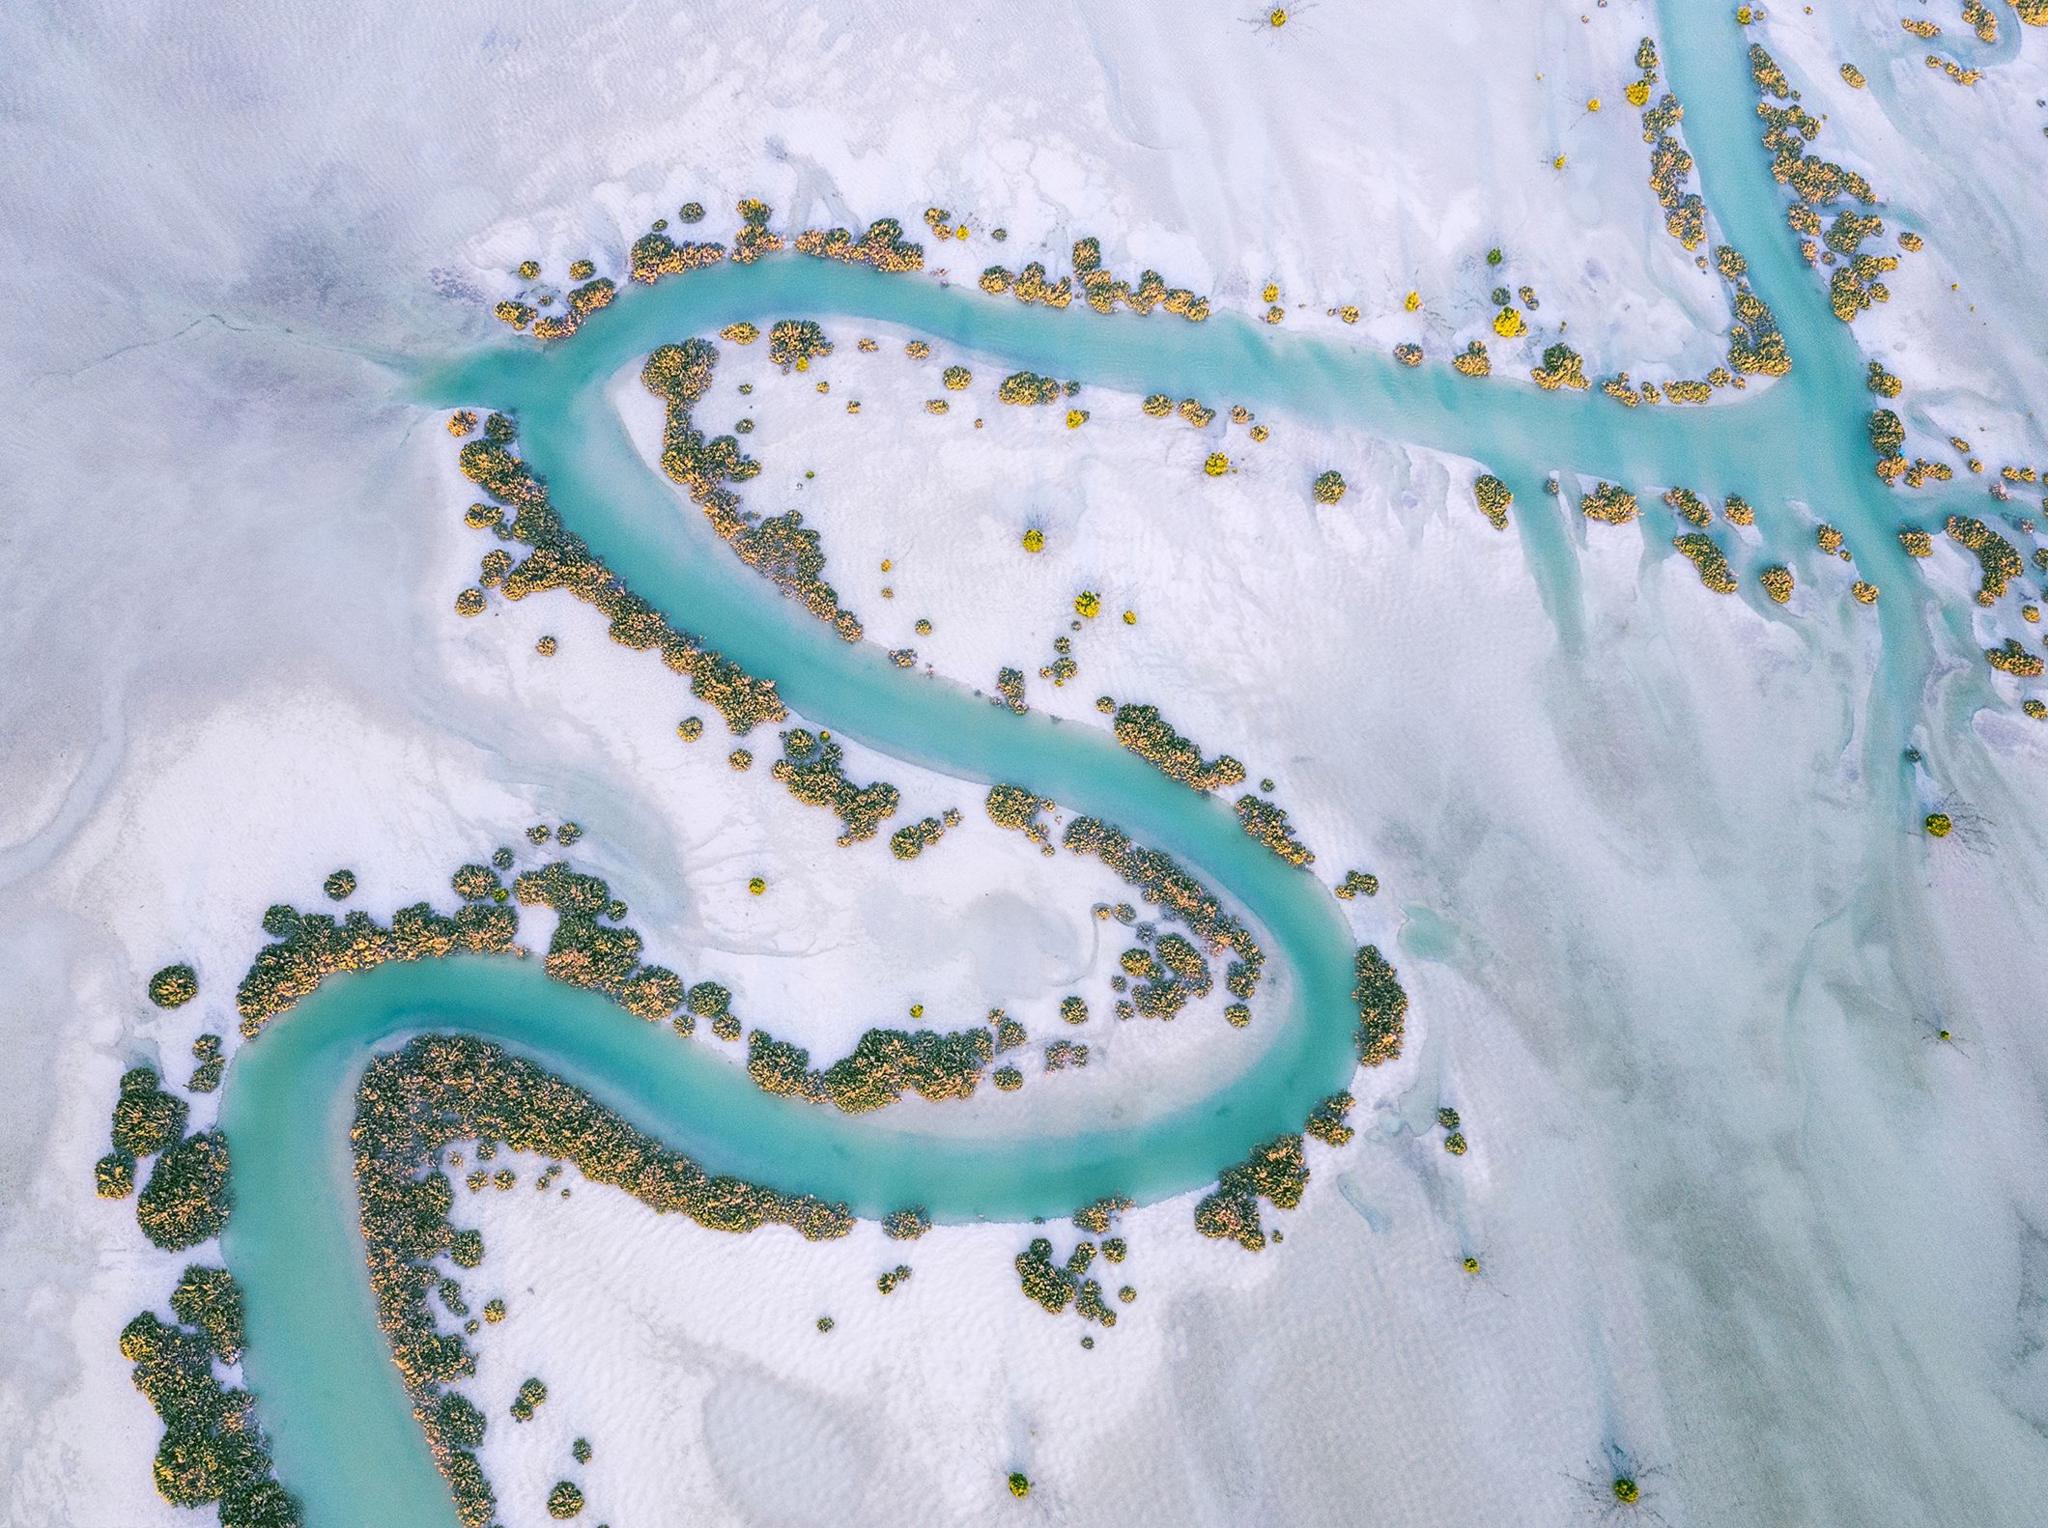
x=344, y=1438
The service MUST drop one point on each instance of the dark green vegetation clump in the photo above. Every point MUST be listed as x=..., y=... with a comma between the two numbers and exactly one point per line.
x=1100, y=287
x=1014, y=808
x=1152, y=738
x=1997, y=559
x=1276, y=1171
x=892, y=1279
x=883, y=1065
x=1705, y=554
x=1055, y=1286
x=1382, y=1007
x=1027, y=388
x=655, y=255
x=1267, y=822
x=113, y=1175
x=186, y=1200
x=173, y=986
x=212, y=1451
x=591, y=949
x=476, y=883
x=147, y=1120
x=212, y=1064
x=1168, y=976
x=795, y=342
x=1010, y=690
x=590, y=946
x=310, y=947
x=1326, y=1121
x=1098, y=1215
x=910, y=841
x=813, y=770
x=532, y=1393
x=882, y=246
x=564, y=1500
x=210, y=1300
x=907, y=1224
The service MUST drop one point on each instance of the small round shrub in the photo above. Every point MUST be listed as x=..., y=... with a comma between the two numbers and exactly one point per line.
x=173, y=986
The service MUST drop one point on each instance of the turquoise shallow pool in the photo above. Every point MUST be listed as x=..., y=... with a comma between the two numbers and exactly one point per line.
x=345, y=1441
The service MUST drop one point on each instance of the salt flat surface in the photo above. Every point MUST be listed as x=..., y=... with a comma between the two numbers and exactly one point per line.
x=1746, y=1226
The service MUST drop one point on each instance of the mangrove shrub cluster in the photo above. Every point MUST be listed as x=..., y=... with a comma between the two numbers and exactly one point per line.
x=882, y=246
x=1267, y=822
x=1017, y=809
x=812, y=769
x=779, y=547
x=1705, y=554
x=591, y=948
x=173, y=986
x=882, y=1066
x=1855, y=284
x=1382, y=1007
x=560, y=560
x=1276, y=1171
x=212, y=1451
x=1055, y=1286
x=1168, y=977
x=907, y=843
x=1100, y=288
x=1179, y=895
x=1152, y=738
x=1494, y=497
x=440, y=1089
x=185, y=1201
x=309, y=947
x=1997, y=559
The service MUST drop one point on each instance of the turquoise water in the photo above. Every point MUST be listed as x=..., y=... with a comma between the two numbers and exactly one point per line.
x=343, y=1430
x=344, y=1437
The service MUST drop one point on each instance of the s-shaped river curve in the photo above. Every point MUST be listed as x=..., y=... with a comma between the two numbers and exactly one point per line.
x=344, y=1438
